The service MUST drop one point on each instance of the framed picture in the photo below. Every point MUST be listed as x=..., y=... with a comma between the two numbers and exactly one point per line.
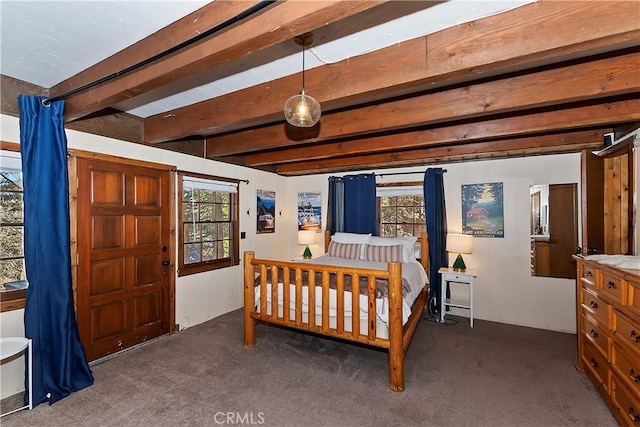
x=483, y=210
x=309, y=210
x=266, y=211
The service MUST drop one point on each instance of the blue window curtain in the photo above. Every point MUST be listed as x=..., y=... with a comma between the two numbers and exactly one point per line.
x=436, y=216
x=360, y=204
x=59, y=362
x=335, y=205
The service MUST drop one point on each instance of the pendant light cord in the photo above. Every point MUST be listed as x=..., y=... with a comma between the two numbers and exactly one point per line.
x=303, y=87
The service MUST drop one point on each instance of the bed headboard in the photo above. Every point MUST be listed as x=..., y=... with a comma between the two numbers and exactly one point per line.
x=424, y=248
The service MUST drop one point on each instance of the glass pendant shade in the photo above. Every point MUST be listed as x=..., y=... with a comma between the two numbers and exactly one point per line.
x=302, y=110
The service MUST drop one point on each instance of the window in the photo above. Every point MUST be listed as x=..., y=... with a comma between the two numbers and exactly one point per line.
x=400, y=210
x=209, y=223
x=12, y=268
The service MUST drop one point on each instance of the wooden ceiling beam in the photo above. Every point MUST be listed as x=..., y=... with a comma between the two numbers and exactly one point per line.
x=279, y=22
x=182, y=30
x=570, y=83
x=603, y=114
x=532, y=35
x=553, y=143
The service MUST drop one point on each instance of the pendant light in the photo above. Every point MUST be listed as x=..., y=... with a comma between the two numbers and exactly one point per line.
x=302, y=110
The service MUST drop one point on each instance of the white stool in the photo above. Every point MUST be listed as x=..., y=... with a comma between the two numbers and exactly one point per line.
x=12, y=346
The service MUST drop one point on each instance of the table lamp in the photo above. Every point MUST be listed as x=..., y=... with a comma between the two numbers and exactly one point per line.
x=306, y=237
x=459, y=244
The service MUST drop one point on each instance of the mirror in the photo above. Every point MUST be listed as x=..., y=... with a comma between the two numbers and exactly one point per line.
x=554, y=230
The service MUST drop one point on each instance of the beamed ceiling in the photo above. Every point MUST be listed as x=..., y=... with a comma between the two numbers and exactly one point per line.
x=546, y=77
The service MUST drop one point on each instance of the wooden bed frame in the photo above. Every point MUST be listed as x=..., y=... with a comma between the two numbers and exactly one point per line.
x=399, y=336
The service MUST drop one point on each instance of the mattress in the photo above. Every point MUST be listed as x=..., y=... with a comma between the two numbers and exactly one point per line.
x=412, y=272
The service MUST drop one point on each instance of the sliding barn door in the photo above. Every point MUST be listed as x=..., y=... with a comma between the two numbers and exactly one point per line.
x=123, y=255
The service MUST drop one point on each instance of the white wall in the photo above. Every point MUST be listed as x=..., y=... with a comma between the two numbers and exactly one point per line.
x=199, y=297
x=505, y=291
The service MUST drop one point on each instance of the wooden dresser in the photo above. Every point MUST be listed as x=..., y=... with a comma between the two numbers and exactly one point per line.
x=608, y=315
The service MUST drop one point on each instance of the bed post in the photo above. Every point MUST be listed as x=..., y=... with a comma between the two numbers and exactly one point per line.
x=327, y=239
x=396, y=352
x=249, y=301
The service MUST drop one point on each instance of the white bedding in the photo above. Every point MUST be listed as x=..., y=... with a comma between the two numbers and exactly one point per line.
x=411, y=271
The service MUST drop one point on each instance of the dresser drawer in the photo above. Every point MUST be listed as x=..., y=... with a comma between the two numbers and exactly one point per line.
x=613, y=287
x=592, y=304
x=596, y=334
x=627, y=366
x=587, y=276
x=626, y=402
x=626, y=330
x=633, y=296
x=596, y=366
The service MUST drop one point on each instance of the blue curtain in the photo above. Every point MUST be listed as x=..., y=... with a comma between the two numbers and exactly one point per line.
x=360, y=204
x=436, y=215
x=335, y=205
x=59, y=362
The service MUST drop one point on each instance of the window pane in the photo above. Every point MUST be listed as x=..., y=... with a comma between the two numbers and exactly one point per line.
x=11, y=241
x=222, y=198
x=191, y=233
x=11, y=270
x=405, y=214
x=206, y=212
x=190, y=210
x=388, y=214
x=188, y=194
x=224, y=231
x=224, y=249
x=11, y=207
x=192, y=253
x=206, y=196
x=11, y=181
x=404, y=200
x=223, y=212
x=208, y=232
x=208, y=251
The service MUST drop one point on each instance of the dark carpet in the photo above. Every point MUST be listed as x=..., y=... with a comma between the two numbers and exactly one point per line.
x=490, y=375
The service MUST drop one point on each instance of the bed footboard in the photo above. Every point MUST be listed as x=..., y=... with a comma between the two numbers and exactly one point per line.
x=285, y=307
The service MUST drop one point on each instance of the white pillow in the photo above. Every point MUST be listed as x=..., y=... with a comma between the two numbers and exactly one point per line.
x=408, y=245
x=351, y=238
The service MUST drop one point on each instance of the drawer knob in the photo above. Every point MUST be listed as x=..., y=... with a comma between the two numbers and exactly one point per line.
x=635, y=417
x=588, y=273
x=634, y=377
x=593, y=304
x=594, y=333
x=634, y=336
x=611, y=285
x=593, y=362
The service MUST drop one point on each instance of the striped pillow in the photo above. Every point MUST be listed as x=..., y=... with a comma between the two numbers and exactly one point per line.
x=344, y=250
x=391, y=253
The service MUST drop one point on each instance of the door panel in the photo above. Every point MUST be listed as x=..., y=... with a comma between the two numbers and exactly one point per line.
x=563, y=228
x=123, y=224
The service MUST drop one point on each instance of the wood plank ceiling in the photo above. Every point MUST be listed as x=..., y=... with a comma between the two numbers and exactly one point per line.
x=547, y=77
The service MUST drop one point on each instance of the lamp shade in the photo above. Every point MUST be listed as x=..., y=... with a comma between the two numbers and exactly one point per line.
x=459, y=243
x=306, y=237
x=302, y=110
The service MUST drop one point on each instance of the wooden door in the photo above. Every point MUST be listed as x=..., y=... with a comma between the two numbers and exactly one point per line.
x=124, y=263
x=563, y=229
x=592, y=177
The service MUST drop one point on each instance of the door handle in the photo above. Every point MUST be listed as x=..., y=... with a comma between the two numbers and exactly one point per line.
x=165, y=263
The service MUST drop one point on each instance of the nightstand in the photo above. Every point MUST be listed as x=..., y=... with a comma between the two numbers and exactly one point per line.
x=451, y=275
